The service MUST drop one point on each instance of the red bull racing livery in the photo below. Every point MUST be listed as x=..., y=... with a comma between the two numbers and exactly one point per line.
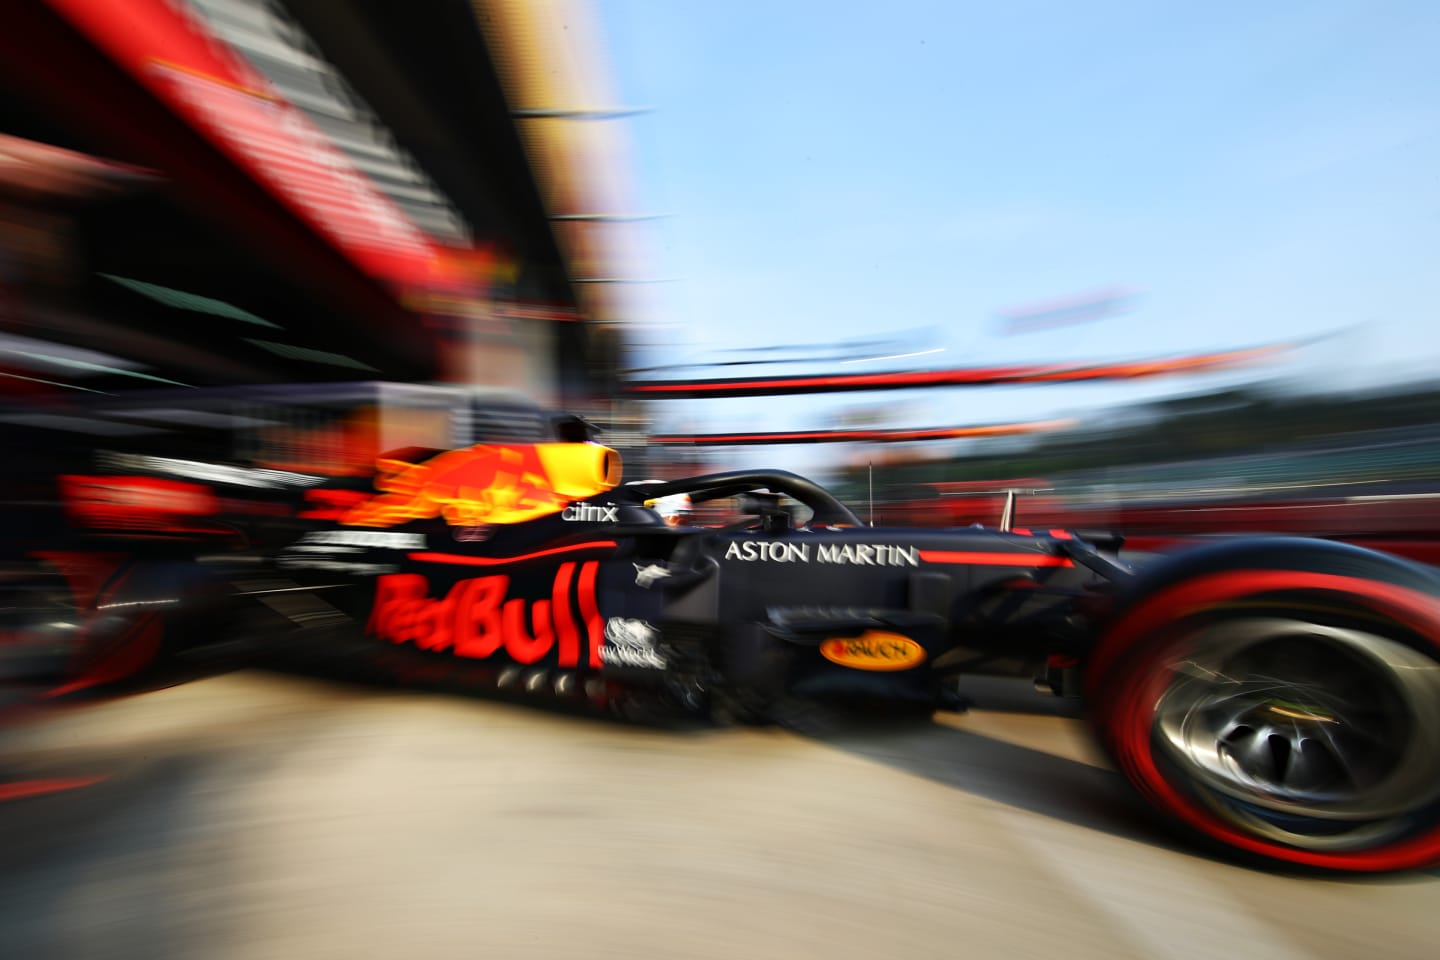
x=1277, y=696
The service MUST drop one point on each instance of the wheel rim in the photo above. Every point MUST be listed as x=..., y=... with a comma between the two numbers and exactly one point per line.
x=1320, y=737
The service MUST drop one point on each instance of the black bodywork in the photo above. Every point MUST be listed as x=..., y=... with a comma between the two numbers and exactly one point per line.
x=1278, y=697
x=736, y=615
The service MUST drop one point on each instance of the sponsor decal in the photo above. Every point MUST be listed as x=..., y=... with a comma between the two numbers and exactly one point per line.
x=874, y=650
x=868, y=554
x=779, y=552
x=647, y=575
x=850, y=554
x=478, y=619
x=367, y=538
x=590, y=512
x=631, y=643
x=477, y=534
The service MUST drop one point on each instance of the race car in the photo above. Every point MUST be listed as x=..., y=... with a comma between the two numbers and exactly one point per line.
x=1276, y=696
x=135, y=530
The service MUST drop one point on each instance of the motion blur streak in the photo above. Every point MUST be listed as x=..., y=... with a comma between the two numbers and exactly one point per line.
x=21, y=789
x=173, y=54
x=429, y=557
x=974, y=376
x=869, y=436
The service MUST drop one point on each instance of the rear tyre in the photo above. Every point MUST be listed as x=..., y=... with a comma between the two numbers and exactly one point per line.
x=1281, y=709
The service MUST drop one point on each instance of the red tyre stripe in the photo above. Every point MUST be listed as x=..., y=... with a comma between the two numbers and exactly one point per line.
x=1128, y=723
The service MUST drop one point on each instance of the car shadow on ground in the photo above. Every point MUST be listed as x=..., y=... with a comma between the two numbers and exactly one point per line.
x=1083, y=794
x=1080, y=793
x=1058, y=787
x=115, y=869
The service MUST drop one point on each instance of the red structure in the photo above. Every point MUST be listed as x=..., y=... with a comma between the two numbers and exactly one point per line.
x=314, y=191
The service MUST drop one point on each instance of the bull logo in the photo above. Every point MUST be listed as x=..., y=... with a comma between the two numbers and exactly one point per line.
x=487, y=484
x=478, y=618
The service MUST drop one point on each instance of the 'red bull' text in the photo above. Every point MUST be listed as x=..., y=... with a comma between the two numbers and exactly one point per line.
x=478, y=619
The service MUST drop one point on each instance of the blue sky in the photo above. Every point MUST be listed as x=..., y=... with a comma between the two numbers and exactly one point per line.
x=838, y=170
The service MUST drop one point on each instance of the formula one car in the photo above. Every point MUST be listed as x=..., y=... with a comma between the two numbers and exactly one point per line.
x=130, y=524
x=1279, y=696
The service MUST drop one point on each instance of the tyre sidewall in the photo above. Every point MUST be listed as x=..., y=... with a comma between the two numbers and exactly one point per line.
x=1125, y=675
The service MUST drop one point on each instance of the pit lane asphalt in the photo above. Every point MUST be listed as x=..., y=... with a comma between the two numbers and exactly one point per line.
x=253, y=815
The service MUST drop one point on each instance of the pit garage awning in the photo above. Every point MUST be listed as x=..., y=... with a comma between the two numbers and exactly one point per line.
x=269, y=236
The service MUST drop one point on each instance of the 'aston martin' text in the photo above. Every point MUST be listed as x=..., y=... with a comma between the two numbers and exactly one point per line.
x=852, y=554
